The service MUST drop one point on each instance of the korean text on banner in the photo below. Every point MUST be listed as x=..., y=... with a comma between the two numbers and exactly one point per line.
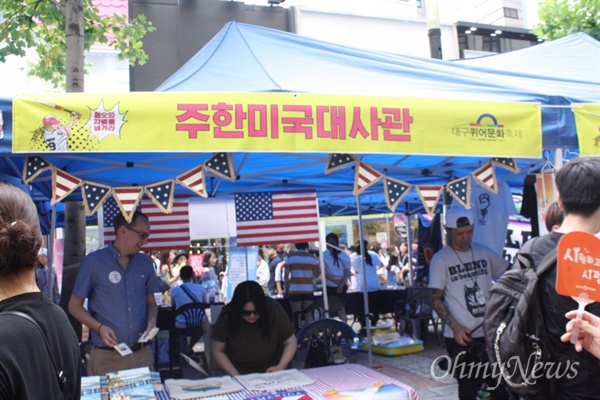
x=587, y=119
x=273, y=218
x=271, y=122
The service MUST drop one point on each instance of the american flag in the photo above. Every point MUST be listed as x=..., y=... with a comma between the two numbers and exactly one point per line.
x=167, y=231
x=273, y=218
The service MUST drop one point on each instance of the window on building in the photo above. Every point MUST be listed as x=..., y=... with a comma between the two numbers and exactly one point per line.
x=511, y=13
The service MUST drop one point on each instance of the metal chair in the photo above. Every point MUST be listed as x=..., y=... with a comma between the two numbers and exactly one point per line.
x=409, y=313
x=323, y=342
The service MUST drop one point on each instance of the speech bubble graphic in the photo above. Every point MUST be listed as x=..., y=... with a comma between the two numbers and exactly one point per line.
x=103, y=122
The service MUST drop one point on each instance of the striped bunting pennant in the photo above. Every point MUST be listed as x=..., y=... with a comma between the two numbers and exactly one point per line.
x=128, y=198
x=194, y=180
x=364, y=177
x=429, y=196
x=63, y=184
x=486, y=176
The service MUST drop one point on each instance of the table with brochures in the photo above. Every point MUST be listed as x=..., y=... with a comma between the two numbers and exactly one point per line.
x=345, y=381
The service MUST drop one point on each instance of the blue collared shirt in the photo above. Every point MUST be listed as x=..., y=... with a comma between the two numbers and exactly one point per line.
x=117, y=297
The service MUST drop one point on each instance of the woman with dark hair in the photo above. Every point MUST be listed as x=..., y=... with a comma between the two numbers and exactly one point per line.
x=337, y=272
x=30, y=359
x=253, y=333
x=394, y=273
x=209, y=276
x=367, y=279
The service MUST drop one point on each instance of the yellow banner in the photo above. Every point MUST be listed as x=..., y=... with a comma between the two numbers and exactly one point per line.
x=587, y=120
x=273, y=122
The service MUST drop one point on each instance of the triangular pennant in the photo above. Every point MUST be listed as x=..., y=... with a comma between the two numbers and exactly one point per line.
x=460, y=189
x=94, y=195
x=507, y=163
x=338, y=160
x=364, y=177
x=486, y=176
x=194, y=180
x=161, y=194
x=430, y=195
x=128, y=198
x=395, y=190
x=63, y=184
x=221, y=164
x=33, y=167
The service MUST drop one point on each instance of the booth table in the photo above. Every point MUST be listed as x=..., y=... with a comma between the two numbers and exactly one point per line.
x=340, y=378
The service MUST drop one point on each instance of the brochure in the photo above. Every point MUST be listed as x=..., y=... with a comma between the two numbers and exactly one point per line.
x=379, y=391
x=137, y=383
x=182, y=389
x=91, y=388
x=270, y=381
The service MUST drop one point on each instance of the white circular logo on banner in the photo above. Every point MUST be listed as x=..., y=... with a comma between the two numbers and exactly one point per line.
x=114, y=277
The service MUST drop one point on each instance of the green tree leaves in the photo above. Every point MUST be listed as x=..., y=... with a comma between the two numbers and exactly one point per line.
x=40, y=25
x=560, y=18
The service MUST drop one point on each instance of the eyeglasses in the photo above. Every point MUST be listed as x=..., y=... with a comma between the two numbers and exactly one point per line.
x=142, y=235
x=247, y=313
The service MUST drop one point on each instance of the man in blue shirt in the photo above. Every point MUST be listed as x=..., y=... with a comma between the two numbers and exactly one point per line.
x=119, y=282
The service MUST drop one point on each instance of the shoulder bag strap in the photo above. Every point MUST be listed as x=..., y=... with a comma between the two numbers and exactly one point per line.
x=62, y=379
x=190, y=294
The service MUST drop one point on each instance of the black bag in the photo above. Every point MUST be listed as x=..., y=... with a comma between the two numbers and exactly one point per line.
x=163, y=282
x=318, y=353
x=515, y=334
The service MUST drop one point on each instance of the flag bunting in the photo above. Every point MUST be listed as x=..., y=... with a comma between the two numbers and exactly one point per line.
x=33, y=167
x=194, y=180
x=429, y=195
x=395, y=190
x=336, y=161
x=221, y=164
x=364, y=177
x=161, y=193
x=486, y=176
x=460, y=189
x=63, y=184
x=94, y=195
x=128, y=198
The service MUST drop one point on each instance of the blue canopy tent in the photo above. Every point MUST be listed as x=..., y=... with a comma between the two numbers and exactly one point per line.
x=246, y=58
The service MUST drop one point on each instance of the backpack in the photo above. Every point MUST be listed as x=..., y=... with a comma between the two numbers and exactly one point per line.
x=515, y=334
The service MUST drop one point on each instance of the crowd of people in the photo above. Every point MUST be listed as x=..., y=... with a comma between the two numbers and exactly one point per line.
x=253, y=333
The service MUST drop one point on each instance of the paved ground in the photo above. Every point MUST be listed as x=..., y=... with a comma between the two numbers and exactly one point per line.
x=416, y=370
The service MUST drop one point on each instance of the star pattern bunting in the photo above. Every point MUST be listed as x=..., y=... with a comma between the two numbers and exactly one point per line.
x=221, y=165
x=395, y=190
x=63, y=184
x=161, y=194
x=507, y=163
x=338, y=160
x=93, y=196
x=430, y=195
x=128, y=199
x=33, y=167
x=194, y=180
x=486, y=176
x=460, y=189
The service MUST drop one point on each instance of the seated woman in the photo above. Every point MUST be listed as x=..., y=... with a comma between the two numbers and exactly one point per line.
x=253, y=333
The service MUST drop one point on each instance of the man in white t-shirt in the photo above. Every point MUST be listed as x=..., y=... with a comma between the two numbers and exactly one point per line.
x=461, y=274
